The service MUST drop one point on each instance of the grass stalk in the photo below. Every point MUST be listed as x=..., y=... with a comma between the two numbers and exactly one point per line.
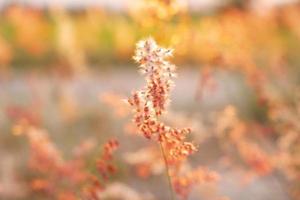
x=167, y=171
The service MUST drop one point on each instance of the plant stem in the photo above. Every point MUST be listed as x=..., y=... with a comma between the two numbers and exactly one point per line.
x=167, y=171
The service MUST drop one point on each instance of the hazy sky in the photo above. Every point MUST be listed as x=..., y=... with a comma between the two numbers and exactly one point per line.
x=119, y=4
x=113, y=4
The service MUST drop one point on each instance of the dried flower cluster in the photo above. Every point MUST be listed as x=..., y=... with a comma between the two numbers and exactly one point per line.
x=183, y=184
x=235, y=131
x=104, y=165
x=61, y=179
x=150, y=103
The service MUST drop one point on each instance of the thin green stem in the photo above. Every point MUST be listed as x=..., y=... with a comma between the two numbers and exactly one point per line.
x=167, y=171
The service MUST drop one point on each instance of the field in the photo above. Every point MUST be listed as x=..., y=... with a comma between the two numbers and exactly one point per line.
x=158, y=101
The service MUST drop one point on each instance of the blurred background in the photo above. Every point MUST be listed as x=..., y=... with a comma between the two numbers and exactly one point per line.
x=66, y=65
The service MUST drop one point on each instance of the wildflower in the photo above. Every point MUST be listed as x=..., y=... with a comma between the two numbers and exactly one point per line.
x=104, y=165
x=184, y=183
x=59, y=178
x=151, y=102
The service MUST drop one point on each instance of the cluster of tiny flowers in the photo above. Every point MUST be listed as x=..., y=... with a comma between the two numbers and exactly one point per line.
x=230, y=127
x=148, y=105
x=104, y=164
x=159, y=74
x=150, y=102
x=58, y=178
x=183, y=184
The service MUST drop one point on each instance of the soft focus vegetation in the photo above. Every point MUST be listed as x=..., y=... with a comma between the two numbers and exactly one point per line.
x=216, y=116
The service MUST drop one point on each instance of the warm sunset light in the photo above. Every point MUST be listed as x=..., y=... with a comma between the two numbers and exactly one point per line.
x=150, y=100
